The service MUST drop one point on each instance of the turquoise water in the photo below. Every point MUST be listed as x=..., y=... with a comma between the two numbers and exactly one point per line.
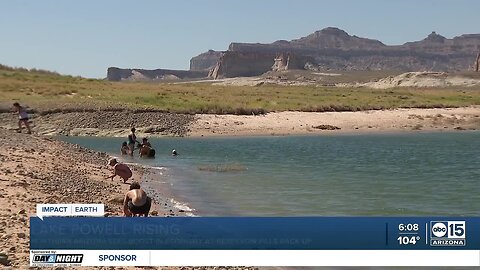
x=338, y=175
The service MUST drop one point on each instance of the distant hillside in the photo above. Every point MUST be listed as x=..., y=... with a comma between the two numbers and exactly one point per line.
x=32, y=70
x=128, y=74
x=334, y=49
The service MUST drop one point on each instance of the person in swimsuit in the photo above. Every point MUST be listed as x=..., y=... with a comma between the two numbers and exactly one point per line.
x=132, y=139
x=125, y=149
x=23, y=118
x=119, y=169
x=145, y=149
x=136, y=202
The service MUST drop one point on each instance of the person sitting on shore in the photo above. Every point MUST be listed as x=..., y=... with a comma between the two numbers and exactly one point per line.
x=23, y=118
x=146, y=149
x=119, y=169
x=124, y=149
x=132, y=139
x=136, y=202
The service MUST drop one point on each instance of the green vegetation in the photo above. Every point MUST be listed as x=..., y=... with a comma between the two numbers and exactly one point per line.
x=48, y=91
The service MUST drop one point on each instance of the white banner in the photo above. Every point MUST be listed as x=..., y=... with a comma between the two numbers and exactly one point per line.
x=255, y=258
x=69, y=210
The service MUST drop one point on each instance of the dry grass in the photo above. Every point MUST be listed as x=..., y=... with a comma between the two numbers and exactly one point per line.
x=49, y=92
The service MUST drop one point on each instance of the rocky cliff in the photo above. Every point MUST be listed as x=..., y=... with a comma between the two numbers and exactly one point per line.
x=334, y=49
x=328, y=49
x=328, y=38
x=246, y=64
x=127, y=74
x=205, y=61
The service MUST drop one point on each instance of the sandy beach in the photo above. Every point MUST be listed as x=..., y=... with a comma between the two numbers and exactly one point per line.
x=313, y=123
x=158, y=124
x=41, y=170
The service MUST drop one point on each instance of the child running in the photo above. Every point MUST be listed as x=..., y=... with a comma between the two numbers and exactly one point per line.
x=23, y=118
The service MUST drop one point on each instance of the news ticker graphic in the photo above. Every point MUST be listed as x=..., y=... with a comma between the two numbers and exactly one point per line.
x=70, y=210
x=254, y=233
x=384, y=236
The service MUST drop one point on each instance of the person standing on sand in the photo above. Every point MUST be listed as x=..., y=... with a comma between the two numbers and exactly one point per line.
x=23, y=118
x=132, y=139
x=136, y=202
x=119, y=169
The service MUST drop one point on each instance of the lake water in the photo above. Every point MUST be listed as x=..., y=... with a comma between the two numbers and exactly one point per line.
x=335, y=175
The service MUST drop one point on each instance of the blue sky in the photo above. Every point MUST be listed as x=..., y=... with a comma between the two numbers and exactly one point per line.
x=85, y=37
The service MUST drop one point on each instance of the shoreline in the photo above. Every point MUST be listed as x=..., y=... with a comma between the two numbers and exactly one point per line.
x=166, y=203
x=36, y=169
x=324, y=123
x=335, y=133
x=104, y=124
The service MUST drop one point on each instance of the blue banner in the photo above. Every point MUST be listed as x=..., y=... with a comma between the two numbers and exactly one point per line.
x=254, y=233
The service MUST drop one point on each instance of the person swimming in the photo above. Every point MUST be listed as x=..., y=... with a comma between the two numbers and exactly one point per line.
x=124, y=149
x=136, y=202
x=146, y=149
x=174, y=152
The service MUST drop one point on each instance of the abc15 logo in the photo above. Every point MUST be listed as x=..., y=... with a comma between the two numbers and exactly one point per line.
x=448, y=229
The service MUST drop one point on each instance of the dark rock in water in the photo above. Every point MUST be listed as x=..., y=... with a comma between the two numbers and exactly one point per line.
x=326, y=127
x=459, y=128
x=151, y=153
